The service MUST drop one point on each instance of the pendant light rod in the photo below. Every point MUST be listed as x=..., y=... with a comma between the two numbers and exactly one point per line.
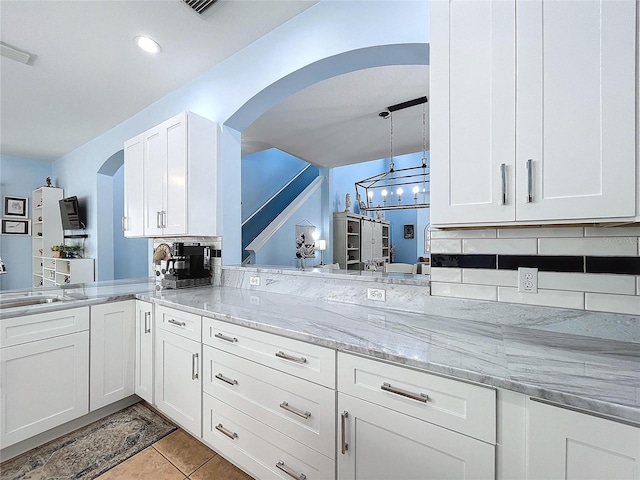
x=407, y=104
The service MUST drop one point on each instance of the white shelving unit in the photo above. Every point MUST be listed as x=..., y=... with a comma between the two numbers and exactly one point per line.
x=358, y=238
x=66, y=271
x=46, y=231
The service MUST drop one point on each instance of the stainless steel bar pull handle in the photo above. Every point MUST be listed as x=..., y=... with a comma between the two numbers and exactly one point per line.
x=122, y=222
x=228, y=433
x=286, y=356
x=503, y=182
x=529, y=181
x=147, y=322
x=294, y=410
x=176, y=322
x=421, y=397
x=226, y=380
x=164, y=219
x=344, y=446
x=225, y=338
x=158, y=220
x=291, y=473
x=194, y=366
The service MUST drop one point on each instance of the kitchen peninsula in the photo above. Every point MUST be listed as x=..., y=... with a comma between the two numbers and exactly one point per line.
x=521, y=360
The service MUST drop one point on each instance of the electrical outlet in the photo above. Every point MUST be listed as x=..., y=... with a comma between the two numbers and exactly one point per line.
x=528, y=280
x=254, y=281
x=377, y=294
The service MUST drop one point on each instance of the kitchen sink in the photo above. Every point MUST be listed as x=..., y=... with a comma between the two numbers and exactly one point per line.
x=26, y=301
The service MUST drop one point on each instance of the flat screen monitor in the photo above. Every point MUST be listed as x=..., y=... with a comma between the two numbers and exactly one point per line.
x=71, y=214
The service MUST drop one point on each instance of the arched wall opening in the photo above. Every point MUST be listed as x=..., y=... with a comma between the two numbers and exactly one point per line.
x=346, y=62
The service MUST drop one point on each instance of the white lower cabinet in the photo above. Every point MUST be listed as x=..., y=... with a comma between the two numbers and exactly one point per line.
x=261, y=450
x=378, y=443
x=45, y=381
x=112, y=352
x=565, y=444
x=144, y=351
x=397, y=422
x=178, y=387
x=269, y=402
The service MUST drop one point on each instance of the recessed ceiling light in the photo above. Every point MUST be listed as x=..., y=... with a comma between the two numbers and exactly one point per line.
x=147, y=44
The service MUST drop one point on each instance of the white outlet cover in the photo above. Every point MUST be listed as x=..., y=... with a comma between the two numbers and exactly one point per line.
x=254, y=281
x=377, y=294
x=527, y=280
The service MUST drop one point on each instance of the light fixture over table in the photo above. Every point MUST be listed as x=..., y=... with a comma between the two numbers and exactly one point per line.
x=397, y=182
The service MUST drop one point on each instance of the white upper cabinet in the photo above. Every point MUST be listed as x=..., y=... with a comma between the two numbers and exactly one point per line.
x=533, y=111
x=132, y=220
x=472, y=111
x=177, y=185
x=575, y=109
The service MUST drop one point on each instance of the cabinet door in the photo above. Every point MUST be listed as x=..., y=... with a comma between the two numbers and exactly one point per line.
x=133, y=223
x=377, y=443
x=178, y=388
x=155, y=179
x=144, y=351
x=576, y=109
x=175, y=195
x=569, y=445
x=44, y=384
x=472, y=111
x=112, y=353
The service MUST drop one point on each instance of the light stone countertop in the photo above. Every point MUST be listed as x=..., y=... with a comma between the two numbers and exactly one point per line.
x=582, y=359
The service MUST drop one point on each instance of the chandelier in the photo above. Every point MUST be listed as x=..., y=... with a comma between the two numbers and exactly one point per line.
x=397, y=189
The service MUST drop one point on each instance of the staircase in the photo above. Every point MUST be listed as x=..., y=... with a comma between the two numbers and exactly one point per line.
x=274, y=206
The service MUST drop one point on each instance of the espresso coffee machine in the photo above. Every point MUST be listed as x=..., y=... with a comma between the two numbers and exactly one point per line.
x=189, y=265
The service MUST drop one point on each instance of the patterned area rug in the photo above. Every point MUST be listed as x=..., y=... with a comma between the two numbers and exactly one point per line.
x=92, y=450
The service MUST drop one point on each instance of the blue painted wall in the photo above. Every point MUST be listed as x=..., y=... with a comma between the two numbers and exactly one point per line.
x=19, y=177
x=263, y=174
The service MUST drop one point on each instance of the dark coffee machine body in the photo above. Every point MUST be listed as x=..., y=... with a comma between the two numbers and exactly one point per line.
x=189, y=266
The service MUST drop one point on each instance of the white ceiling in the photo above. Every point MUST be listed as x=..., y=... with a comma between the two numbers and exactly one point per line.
x=88, y=76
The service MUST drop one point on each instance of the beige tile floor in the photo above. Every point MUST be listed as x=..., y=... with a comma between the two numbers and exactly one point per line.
x=177, y=456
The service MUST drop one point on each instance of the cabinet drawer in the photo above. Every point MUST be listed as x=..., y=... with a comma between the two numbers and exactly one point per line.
x=258, y=448
x=459, y=406
x=302, y=410
x=304, y=360
x=29, y=328
x=181, y=323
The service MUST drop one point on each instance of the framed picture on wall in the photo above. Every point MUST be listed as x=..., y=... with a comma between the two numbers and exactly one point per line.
x=408, y=231
x=16, y=227
x=16, y=207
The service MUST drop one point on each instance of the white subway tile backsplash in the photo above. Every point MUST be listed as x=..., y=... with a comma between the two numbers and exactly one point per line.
x=602, y=302
x=461, y=290
x=466, y=233
x=504, y=278
x=588, y=282
x=521, y=246
x=631, y=231
x=446, y=274
x=549, y=298
x=446, y=246
x=597, y=246
x=541, y=232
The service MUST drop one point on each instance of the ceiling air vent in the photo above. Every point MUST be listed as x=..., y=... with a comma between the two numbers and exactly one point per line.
x=199, y=6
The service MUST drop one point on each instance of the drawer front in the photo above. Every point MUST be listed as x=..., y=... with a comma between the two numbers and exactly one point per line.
x=302, y=410
x=462, y=407
x=259, y=449
x=184, y=324
x=311, y=362
x=29, y=328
